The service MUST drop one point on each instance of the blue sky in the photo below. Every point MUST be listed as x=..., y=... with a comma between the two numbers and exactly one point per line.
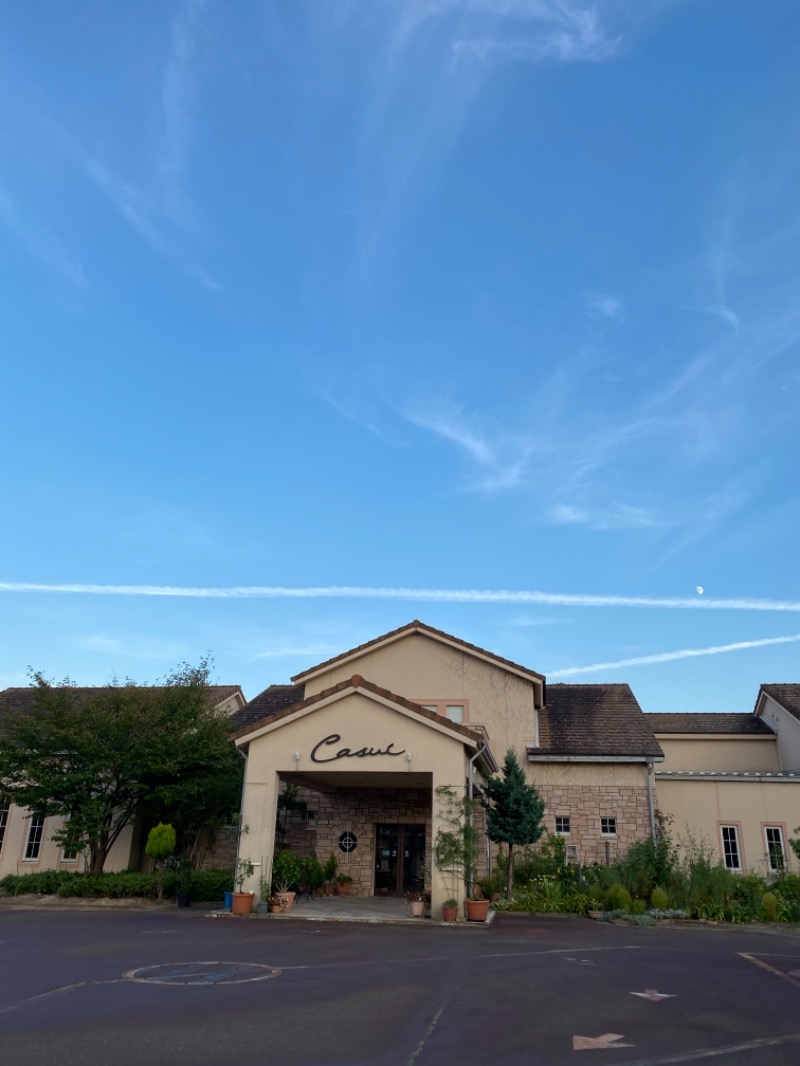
x=348, y=312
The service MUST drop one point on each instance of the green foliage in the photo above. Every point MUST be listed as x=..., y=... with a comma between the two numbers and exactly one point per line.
x=95, y=758
x=456, y=842
x=287, y=869
x=649, y=862
x=617, y=898
x=205, y=885
x=514, y=811
x=244, y=869
x=160, y=841
x=660, y=899
x=329, y=868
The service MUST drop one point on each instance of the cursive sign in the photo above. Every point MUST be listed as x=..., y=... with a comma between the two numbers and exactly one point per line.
x=346, y=753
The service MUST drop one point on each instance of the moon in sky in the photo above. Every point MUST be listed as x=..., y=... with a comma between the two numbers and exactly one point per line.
x=700, y=590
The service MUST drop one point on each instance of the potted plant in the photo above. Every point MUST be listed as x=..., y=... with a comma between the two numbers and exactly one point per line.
x=277, y=905
x=477, y=906
x=242, y=902
x=343, y=883
x=287, y=869
x=450, y=910
x=311, y=877
x=455, y=843
x=329, y=869
x=416, y=904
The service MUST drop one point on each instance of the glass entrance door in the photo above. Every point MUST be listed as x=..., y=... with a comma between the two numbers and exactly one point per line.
x=399, y=858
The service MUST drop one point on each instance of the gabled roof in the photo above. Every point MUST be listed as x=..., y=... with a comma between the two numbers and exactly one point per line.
x=788, y=696
x=266, y=704
x=724, y=724
x=352, y=684
x=437, y=634
x=594, y=720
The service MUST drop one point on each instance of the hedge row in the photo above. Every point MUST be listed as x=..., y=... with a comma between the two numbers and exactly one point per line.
x=204, y=886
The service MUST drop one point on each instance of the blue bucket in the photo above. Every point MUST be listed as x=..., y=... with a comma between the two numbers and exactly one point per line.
x=228, y=900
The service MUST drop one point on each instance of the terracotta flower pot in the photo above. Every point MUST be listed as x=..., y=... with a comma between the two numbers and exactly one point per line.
x=343, y=889
x=287, y=898
x=477, y=910
x=450, y=914
x=242, y=902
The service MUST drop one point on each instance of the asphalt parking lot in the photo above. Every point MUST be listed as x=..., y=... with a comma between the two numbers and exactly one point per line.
x=163, y=986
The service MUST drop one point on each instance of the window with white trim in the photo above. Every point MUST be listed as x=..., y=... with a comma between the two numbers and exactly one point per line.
x=562, y=824
x=731, y=855
x=608, y=827
x=4, y=804
x=34, y=842
x=776, y=854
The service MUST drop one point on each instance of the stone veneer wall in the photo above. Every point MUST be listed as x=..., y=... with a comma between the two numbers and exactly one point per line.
x=586, y=805
x=358, y=811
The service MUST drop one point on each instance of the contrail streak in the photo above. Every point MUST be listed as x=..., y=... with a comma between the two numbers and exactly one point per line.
x=671, y=656
x=421, y=595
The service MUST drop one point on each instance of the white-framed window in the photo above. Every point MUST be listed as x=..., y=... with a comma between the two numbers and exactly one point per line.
x=455, y=710
x=608, y=827
x=33, y=844
x=4, y=805
x=562, y=824
x=776, y=853
x=731, y=855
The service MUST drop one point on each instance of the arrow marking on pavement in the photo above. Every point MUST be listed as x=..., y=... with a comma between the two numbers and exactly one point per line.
x=652, y=995
x=590, y=1043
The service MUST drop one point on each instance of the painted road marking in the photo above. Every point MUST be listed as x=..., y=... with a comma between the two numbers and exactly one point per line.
x=715, y=1052
x=653, y=995
x=592, y=1043
x=201, y=973
x=790, y=977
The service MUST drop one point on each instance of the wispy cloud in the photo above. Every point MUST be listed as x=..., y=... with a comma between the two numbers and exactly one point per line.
x=159, y=210
x=604, y=305
x=673, y=656
x=501, y=461
x=133, y=647
x=560, y=31
x=422, y=595
x=39, y=240
x=177, y=97
x=617, y=516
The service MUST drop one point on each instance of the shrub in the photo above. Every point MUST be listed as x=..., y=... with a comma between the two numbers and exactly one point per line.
x=769, y=906
x=617, y=897
x=660, y=899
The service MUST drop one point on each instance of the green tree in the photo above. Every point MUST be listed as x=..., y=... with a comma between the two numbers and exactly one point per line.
x=514, y=811
x=160, y=845
x=95, y=756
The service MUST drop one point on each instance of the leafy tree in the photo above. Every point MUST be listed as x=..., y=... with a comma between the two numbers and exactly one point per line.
x=514, y=811
x=95, y=756
x=160, y=845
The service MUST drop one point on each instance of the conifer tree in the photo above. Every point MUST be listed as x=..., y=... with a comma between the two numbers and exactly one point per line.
x=514, y=811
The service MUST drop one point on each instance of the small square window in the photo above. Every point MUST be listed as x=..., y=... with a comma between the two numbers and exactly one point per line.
x=608, y=827
x=562, y=824
x=455, y=712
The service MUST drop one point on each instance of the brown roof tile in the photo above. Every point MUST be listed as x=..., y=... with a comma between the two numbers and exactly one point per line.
x=788, y=696
x=717, y=723
x=266, y=704
x=422, y=628
x=354, y=682
x=21, y=699
x=602, y=720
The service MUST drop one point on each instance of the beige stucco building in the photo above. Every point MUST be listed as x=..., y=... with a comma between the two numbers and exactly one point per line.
x=374, y=734
x=369, y=736
x=732, y=781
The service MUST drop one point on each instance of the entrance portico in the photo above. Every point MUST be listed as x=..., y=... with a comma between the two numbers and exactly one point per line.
x=372, y=762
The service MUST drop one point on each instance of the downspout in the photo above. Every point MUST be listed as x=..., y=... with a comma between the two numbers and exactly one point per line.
x=241, y=812
x=650, y=800
x=477, y=755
